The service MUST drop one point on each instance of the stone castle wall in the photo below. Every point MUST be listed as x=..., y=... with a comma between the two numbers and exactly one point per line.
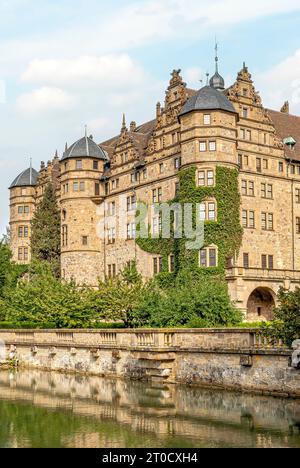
x=232, y=359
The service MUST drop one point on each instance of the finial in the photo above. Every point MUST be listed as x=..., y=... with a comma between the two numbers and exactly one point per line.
x=124, y=124
x=85, y=131
x=30, y=176
x=207, y=79
x=56, y=155
x=66, y=147
x=216, y=56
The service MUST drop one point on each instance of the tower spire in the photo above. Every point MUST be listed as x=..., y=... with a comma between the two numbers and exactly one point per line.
x=30, y=173
x=124, y=128
x=216, y=55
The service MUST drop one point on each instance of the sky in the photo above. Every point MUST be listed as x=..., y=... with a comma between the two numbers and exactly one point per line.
x=65, y=64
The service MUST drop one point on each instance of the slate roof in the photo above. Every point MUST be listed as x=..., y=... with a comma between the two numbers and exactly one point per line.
x=85, y=147
x=287, y=125
x=207, y=98
x=27, y=178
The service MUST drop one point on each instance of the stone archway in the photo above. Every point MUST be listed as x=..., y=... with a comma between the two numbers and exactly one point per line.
x=260, y=305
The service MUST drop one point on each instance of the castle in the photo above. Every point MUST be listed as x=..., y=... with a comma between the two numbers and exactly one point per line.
x=207, y=130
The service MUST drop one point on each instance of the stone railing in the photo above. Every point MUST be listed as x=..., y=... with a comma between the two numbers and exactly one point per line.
x=261, y=273
x=195, y=339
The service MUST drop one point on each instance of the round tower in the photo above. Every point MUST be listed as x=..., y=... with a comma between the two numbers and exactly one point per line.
x=82, y=257
x=22, y=206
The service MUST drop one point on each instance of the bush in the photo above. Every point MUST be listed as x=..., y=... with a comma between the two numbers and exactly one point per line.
x=200, y=304
x=286, y=324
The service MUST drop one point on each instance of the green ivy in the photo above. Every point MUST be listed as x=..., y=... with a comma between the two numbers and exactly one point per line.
x=226, y=233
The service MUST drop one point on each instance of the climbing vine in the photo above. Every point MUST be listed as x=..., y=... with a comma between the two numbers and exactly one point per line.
x=225, y=233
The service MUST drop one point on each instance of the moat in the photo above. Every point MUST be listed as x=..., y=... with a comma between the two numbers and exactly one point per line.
x=47, y=409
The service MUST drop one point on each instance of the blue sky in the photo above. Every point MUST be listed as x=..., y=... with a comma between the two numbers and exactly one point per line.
x=67, y=63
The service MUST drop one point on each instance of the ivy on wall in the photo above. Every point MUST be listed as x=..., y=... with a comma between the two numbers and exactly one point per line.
x=225, y=233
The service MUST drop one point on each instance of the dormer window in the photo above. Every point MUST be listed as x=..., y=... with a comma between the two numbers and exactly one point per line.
x=290, y=142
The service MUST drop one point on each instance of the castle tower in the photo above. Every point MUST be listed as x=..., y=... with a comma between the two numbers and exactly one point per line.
x=81, y=168
x=22, y=205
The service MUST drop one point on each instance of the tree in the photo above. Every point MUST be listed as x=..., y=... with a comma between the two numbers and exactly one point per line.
x=118, y=298
x=5, y=264
x=286, y=324
x=43, y=298
x=45, y=227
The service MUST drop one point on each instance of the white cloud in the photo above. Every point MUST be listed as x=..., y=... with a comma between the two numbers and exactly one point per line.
x=113, y=71
x=281, y=83
x=45, y=99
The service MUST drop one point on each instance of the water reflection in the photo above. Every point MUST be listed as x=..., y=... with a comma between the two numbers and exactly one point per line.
x=41, y=409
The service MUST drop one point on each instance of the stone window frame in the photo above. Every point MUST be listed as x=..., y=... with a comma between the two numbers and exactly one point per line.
x=246, y=260
x=207, y=210
x=266, y=191
x=205, y=254
x=78, y=164
x=247, y=217
x=267, y=262
x=206, y=171
x=248, y=188
x=206, y=119
x=267, y=221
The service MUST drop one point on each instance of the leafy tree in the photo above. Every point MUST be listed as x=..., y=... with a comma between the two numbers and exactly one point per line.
x=118, y=298
x=286, y=324
x=44, y=298
x=5, y=264
x=45, y=227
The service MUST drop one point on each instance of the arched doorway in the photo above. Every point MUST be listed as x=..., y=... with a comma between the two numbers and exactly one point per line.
x=260, y=305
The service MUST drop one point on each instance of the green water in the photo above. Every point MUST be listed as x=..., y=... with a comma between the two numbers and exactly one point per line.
x=40, y=409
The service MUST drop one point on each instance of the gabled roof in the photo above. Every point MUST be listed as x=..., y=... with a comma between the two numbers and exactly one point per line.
x=27, y=178
x=287, y=125
x=85, y=148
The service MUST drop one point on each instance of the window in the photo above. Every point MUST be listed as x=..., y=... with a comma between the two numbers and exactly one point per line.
x=131, y=203
x=202, y=146
x=248, y=219
x=177, y=163
x=157, y=195
x=97, y=189
x=82, y=186
x=75, y=186
x=292, y=169
x=177, y=189
x=171, y=263
x=23, y=231
x=78, y=164
x=297, y=225
x=245, y=92
x=84, y=240
x=249, y=135
x=206, y=178
x=25, y=254
x=95, y=165
x=156, y=225
x=240, y=160
x=20, y=253
x=243, y=134
x=248, y=188
x=212, y=146
x=106, y=188
x=111, y=235
x=206, y=119
x=265, y=164
x=112, y=270
x=66, y=166
x=258, y=165
x=161, y=168
x=267, y=262
x=26, y=209
x=280, y=167
x=157, y=265
x=297, y=196
x=131, y=231
x=246, y=260
x=245, y=113
x=208, y=257
x=267, y=221
x=111, y=209
x=207, y=211
x=64, y=215
x=64, y=235
x=266, y=190
x=135, y=177
x=20, y=209
x=145, y=174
